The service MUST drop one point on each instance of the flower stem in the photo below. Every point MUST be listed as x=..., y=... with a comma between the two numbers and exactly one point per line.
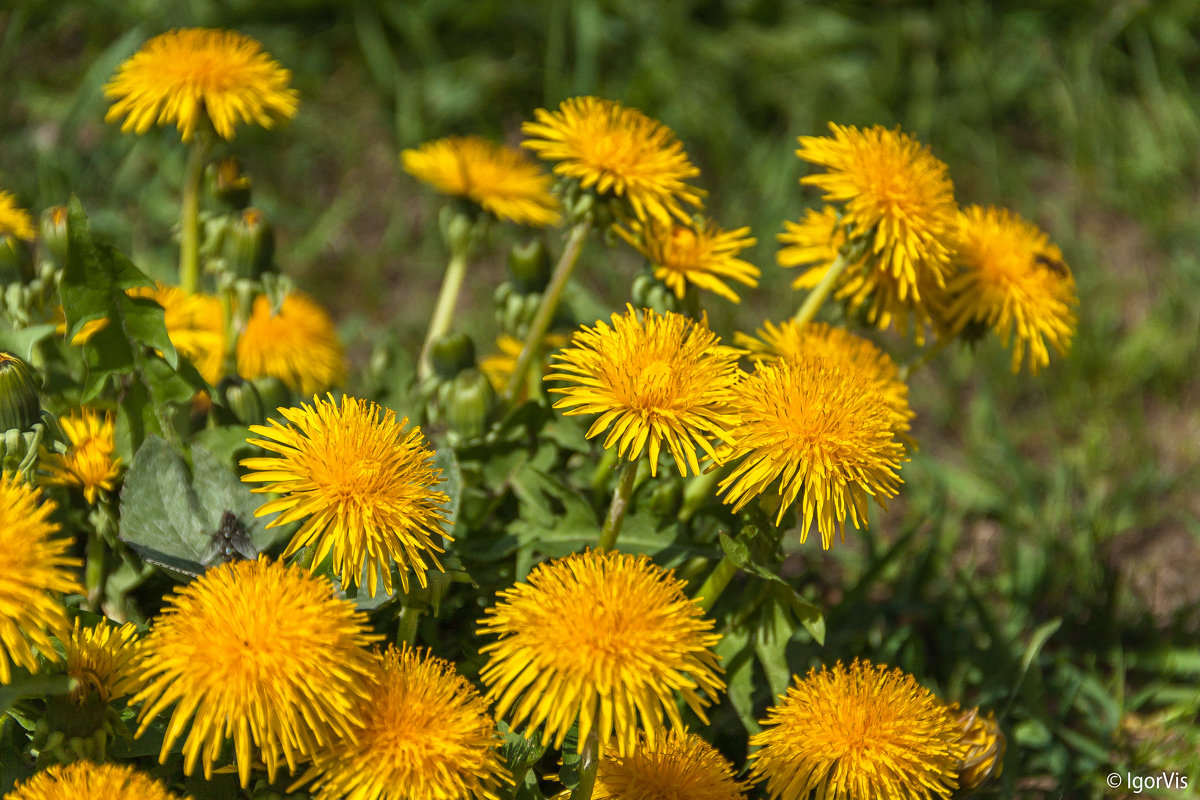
x=443, y=311
x=706, y=596
x=407, y=632
x=96, y=571
x=698, y=490
x=545, y=312
x=924, y=358
x=189, y=216
x=589, y=765
x=812, y=303
x=616, y=510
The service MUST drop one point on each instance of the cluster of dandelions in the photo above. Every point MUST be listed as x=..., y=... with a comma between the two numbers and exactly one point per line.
x=269, y=658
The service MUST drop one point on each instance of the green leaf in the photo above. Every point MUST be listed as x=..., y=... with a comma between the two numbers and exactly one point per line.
x=21, y=342
x=32, y=686
x=747, y=554
x=169, y=515
x=737, y=656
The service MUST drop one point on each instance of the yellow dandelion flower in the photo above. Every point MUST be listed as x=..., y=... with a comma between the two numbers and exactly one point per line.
x=37, y=567
x=89, y=463
x=497, y=178
x=195, y=324
x=499, y=366
x=897, y=198
x=698, y=253
x=14, y=220
x=679, y=766
x=364, y=487
x=1013, y=280
x=299, y=345
x=616, y=151
x=984, y=743
x=83, y=780
x=602, y=638
x=427, y=733
x=189, y=74
x=820, y=426
x=102, y=658
x=261, y=653
x=654, y=380
x=859, y=732
x=792, y=340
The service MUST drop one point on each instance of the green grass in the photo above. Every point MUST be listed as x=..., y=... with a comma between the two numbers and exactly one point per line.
x=1040, y=559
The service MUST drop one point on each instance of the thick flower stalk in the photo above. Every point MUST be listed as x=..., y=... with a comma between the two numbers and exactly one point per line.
x=606, y=640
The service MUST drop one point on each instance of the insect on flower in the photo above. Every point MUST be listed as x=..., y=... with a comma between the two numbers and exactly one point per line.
x=229, y=542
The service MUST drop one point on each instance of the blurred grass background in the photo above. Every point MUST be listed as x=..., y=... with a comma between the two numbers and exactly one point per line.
x=1043, y=558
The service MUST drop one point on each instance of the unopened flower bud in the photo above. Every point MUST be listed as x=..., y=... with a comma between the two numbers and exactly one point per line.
x=56, y=233
x=227, y=183
x=469, y=404
x=529, y=265
x=243, y=400
x=249, y=245
x=451, y=354
x=984, y=758
x=272, y=393
x=19, y=404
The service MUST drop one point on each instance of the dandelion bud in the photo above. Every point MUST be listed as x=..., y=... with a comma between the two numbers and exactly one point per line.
x=468, y=404
x=55, y=233
x=19, y=404
x=227, y=183
x=249, y=245
x=243, y=400
x=451, y=354
x=456, y=230
x=272, y=392
x=529, y=265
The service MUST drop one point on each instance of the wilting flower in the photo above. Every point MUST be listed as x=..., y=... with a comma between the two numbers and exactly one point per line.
x=1012, y=279
x=426, y=733
x=654, y=380
x=679, y=766
x=83, y=780
x=616, y=151
x=499, y=179
x=36, y=568
x=697, y=253
x=894, y=220
x=89, y=463
x=791, y=340
x=15, y=221
x=261, y=653
x=195, y=324
x=819, y=426
x=364, y=487
x=102, y=658
x=499, y=366
x=854, y=733
x=298, y=344
x=604, y=639
x=984, y=743
x=189, y=74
